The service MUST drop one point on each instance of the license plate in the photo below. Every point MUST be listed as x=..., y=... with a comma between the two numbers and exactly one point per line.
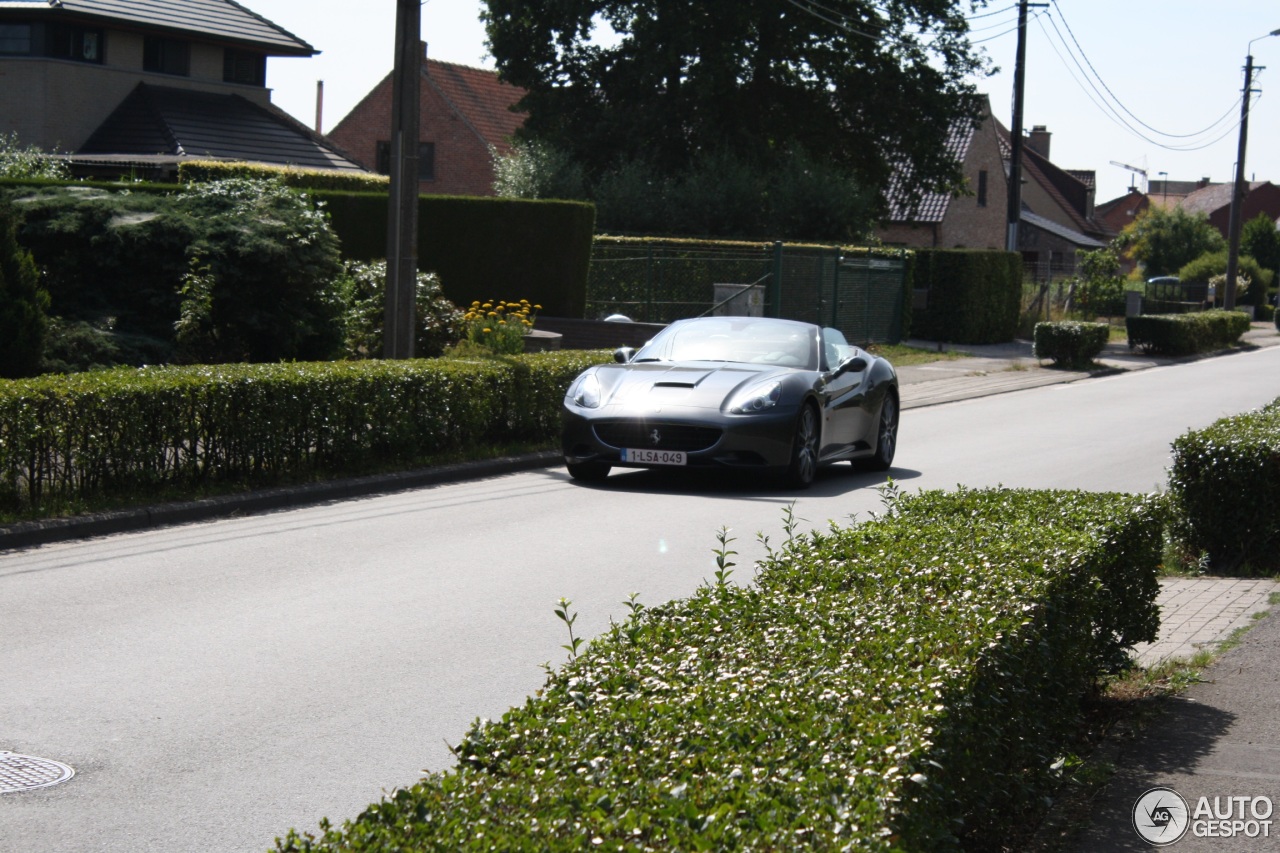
x=654, y=457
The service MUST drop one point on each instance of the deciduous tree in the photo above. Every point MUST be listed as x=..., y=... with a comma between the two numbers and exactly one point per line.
x=669, y=83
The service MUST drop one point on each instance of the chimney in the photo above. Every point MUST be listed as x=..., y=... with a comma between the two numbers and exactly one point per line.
x=1038, y=140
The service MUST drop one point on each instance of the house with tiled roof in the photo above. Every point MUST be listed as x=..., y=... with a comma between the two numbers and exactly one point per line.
x=138, y=86
x=1058, y=219
x=1057, y=205
x=465, y=115
x=1202, y=196
x=975, y=219
x=1214, y=201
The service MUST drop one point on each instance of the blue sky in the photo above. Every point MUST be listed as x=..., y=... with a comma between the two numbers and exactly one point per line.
x=1135, y=81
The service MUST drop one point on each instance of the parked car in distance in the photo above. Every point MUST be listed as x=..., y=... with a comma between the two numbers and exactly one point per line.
x=750, y=393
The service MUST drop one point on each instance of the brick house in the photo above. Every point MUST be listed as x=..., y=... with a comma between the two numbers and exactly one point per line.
x=1202, y=196
x=137, y=86
x=465, y=114
x=1057, y=217
x=939, y=220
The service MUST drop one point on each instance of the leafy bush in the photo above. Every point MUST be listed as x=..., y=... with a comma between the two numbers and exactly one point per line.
x=902, y=685
x=24, y=162
x=65, y=440
x=1225, y=486
x=363, y=287
x=1100, y=287
x=1186, y=334
x=22, y=304
x=110, y=259
x=261, y=293
x=1070, y=344
x=1251, y=279
x=78, y=345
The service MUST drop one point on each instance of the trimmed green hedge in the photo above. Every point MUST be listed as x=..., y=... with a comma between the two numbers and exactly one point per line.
x=482, y=248
x=1225, y=486
x=1070, y=344
x=1186, y=334
x=193, y=171
x=65, y=439
x=974, y=296
x=905, y=684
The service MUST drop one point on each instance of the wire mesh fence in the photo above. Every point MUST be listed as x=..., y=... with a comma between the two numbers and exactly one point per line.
x=861, y=295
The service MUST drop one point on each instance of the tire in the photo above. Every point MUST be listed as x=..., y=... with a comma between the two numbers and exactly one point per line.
x=587, y=472
x=886, y=435
x=804, y=449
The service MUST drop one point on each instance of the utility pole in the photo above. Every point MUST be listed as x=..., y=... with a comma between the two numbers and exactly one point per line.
x=1015, y=132
x=1240, y=190
x=402, y=200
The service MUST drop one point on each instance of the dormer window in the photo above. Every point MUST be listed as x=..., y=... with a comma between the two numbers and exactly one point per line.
x=15, y=39
x=242, y=66
x=166, y=56
x=81, y=44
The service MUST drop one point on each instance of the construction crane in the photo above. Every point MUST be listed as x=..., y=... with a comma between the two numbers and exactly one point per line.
x=1135, y=169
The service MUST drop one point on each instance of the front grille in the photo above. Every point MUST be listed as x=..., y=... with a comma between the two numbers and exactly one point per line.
x=670, y=436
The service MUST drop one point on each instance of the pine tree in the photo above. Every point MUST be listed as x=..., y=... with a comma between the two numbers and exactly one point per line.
x=23, y=303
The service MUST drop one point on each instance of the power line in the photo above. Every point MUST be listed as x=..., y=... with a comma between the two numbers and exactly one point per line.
x=1115, y=116
x=1080, y=49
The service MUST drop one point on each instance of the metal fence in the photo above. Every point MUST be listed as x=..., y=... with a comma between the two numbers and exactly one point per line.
x=861, y=296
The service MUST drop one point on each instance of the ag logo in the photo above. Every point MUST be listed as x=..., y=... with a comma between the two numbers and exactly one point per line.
x=1161, y=816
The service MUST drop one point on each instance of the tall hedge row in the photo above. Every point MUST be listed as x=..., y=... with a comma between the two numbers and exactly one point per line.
x=905, y=684
x=483, y=248
x=973, y=296
x=69, y=439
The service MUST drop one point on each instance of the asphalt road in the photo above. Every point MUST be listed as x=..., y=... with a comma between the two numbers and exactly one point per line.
x=214, y=684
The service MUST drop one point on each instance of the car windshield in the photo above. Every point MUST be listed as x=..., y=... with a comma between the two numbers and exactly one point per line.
x=736, y=339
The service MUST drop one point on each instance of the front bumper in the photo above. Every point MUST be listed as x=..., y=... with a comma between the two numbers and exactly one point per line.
x=760, y=440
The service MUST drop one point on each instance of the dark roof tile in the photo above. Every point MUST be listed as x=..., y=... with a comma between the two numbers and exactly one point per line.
x=188, y=123
x=220, y=20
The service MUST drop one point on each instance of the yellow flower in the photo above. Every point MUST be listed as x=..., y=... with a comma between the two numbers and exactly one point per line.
x=488, y=305
x=487, y=331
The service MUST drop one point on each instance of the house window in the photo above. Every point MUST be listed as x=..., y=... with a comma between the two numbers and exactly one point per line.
x=15, y=39
x=80, y=44
x=242, y=66
x=982, y=188
x=426, y=160
x=166, y=56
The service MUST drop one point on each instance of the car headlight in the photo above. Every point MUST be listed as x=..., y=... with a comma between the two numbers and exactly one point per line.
x=757, y=398
x=586, y=392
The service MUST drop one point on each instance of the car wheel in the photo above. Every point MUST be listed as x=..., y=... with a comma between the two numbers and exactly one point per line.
x=886, y=435
x=587, y=472
x=804, y=450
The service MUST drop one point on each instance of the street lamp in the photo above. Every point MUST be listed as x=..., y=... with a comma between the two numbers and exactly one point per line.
x=1164, y=189
x=1237, y=196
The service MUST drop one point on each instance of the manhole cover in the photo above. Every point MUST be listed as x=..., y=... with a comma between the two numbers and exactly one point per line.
x=26, y=772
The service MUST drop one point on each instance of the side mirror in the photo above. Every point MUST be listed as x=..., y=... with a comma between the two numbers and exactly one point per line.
x=622, y=355
x=854, y=365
